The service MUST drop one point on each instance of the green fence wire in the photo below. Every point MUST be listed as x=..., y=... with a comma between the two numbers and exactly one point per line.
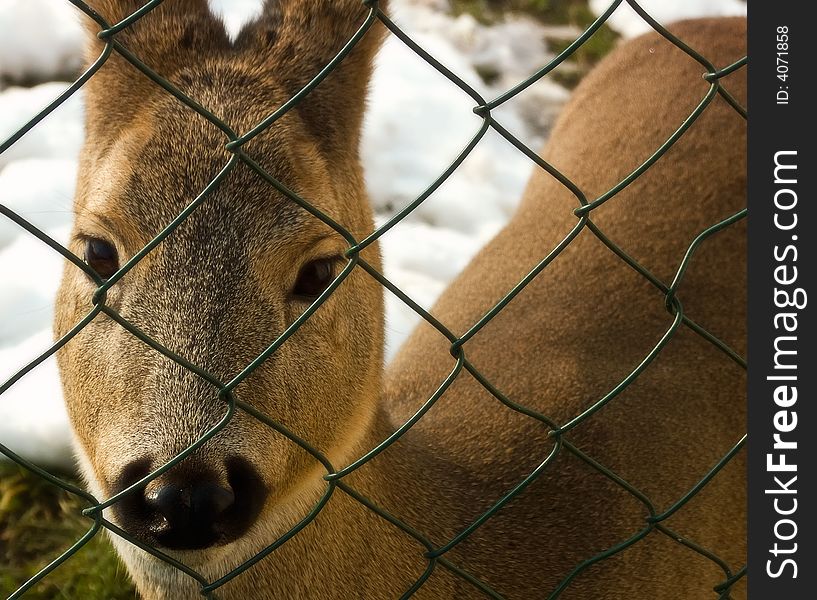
x=436, y=556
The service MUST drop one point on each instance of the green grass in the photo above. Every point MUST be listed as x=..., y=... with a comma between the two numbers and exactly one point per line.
x=39, y=521
x=552, y=12
x=559, y=12
x=587, y=55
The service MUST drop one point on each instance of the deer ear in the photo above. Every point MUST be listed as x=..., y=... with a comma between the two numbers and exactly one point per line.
x=175, y=34
x=296, y=39
x=165, y=36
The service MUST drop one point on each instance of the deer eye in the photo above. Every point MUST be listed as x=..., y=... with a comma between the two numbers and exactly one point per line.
x=101, y=256
x=314, y=277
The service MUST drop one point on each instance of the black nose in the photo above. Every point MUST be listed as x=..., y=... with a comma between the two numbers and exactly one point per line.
x=190, y=507
x=187, y=514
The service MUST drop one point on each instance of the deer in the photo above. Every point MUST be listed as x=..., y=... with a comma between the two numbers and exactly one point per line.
x=249, y=261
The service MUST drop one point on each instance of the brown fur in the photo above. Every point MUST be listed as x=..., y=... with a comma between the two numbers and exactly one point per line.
x=215, y=292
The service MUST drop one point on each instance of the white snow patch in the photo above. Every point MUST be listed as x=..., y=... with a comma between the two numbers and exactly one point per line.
x=41, y=191
x=39, y=40
x=30, y=271
x=235, y=13
x=630, y=24
x=418, y=122
x=59, y=135
x=33, y=422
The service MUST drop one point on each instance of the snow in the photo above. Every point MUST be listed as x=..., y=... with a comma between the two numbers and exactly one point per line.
x=33, y=422
x=59, y=135
x=235, y=13
x=44, y=201
x=409, y=104
x=38, y=40
x=417, y=124
x=630, y=24
x=30, y=271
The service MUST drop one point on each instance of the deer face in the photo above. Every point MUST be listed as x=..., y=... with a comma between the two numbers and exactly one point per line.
x=218, y=291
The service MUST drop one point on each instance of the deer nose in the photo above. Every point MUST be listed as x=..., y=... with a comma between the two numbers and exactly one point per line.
x=190, y=507
x=188, y=514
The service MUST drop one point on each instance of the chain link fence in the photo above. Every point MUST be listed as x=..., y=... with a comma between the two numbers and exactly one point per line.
x=436, y=556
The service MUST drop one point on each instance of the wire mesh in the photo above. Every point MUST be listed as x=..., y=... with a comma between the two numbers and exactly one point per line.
x=436, y=556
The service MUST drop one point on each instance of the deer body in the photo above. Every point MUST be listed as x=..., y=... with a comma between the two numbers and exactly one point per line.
x=232, y=277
